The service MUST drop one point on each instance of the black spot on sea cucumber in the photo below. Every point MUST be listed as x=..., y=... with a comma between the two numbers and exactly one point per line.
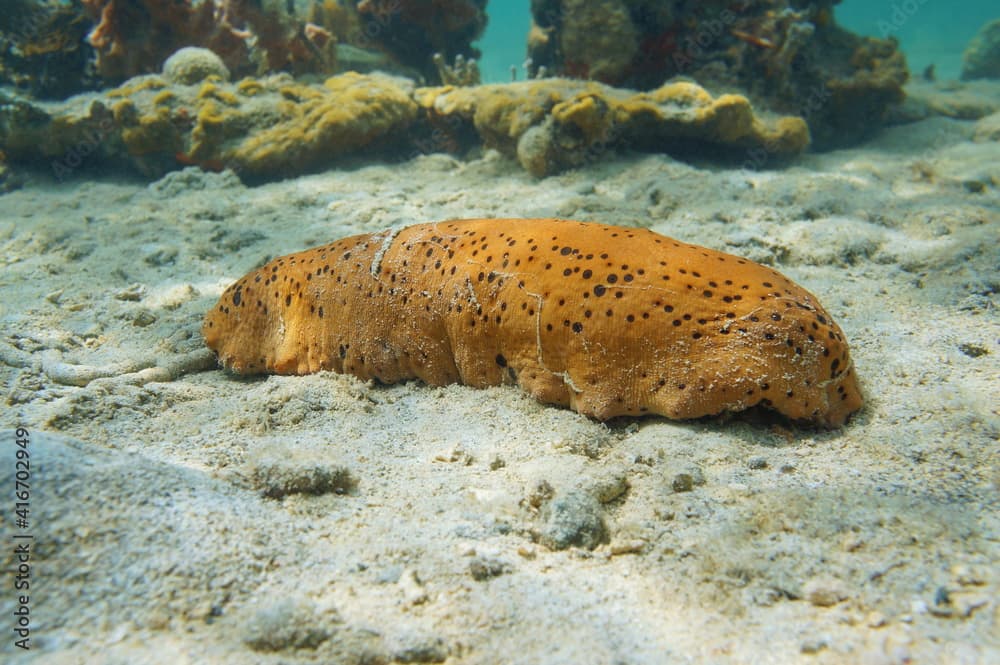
x=501, y=361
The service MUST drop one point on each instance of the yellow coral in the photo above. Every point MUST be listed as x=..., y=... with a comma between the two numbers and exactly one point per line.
x=164, y=97
x=540, y=111
x=124, y=112
x=208, y=132
x=588, y=112
x=213, y=91
x=131, y=87
x=153, y=133
x=249, y=87
x=347, y=112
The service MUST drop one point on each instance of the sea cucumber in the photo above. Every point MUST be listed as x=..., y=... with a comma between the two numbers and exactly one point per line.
x=607, y=320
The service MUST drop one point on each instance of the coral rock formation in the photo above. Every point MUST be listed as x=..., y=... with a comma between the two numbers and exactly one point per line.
x=262, y=128
x=42, y=49
x=348, y=113
x=413, y=30
x=599, y=39
x=135, y=36
x=789, y=55
x=274, y=127
x=554, y=124
x=981, y=59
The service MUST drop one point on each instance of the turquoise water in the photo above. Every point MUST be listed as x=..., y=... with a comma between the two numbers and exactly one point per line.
x=503, y=45
x=930, y=31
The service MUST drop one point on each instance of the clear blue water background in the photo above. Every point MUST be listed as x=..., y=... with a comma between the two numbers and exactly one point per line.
x=930, y=31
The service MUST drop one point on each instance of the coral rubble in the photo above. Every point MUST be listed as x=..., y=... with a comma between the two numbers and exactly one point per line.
x=790, y=55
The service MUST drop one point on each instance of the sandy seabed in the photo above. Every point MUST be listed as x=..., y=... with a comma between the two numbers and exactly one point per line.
x=183, y=515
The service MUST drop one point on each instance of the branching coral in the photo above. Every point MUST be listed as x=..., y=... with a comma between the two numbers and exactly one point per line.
x=463, y=72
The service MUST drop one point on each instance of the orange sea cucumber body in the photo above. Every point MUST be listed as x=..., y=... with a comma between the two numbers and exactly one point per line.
x=607, y=320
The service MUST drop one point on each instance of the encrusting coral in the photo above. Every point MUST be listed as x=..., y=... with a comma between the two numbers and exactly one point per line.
x=316, y=124
x=607, y=320
x=554, y=124
x=261, y=128
x=273, y=127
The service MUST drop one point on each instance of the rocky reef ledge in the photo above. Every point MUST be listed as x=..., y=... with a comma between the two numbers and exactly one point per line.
x=276, y=127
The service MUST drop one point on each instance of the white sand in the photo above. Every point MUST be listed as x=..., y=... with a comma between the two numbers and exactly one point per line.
x=155, y=541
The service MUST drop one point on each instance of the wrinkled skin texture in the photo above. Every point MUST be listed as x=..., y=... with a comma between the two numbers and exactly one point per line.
x=607, y=320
